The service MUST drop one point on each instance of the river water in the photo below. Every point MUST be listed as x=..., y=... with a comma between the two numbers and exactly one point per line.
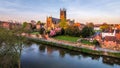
x=45, y=56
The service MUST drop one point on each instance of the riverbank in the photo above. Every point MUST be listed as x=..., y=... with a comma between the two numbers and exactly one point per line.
x=77, y=47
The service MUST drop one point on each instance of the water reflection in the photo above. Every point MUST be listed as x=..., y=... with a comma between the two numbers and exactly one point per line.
x=32, y=55
x=42, y=48
x=63, y=52
x=111, y=61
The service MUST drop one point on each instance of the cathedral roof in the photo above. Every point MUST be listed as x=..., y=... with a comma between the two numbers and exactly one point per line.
x=55, y=20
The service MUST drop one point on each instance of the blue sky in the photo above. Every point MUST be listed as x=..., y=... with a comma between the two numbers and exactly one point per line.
x=96, y=11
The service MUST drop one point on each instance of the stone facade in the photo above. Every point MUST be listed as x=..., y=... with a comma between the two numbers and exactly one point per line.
x=63, y=14
x=52, y=22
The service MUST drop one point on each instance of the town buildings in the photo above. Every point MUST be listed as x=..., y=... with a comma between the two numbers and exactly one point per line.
x=109, y=39
x=10, y=25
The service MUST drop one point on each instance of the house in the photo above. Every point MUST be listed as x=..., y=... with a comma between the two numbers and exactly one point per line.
x=6, y=25
x=79, y=25
x=108, y=33
x=76, y=24
x=118, y=26
x=117, y=36
x=109, y=42
x=98, y=37
x=97, y=27
x=15, y=25
x=9, y=25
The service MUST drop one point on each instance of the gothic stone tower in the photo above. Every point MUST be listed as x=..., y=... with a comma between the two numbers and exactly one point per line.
x=63, y=14
x=49, y=22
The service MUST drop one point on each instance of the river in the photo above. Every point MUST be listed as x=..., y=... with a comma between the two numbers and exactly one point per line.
x=45, y=56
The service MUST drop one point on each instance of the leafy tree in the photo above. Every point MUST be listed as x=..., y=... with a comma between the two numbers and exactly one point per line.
x=63, y=24
x=104, y=27
x=11, y=49
x=73, y=31
x=39, y=22
x=87, y=31
x=24, y=24
x=27, y=27
x=90, y=24
x=42, y=31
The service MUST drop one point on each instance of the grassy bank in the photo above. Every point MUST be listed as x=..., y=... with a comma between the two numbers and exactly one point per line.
x=72, y=39
x=86, y=42
x=84, y=50
x=67, y=38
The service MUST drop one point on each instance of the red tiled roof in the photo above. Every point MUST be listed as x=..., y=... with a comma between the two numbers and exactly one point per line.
x=110, y=38
x=77, y=24
x=118, y=36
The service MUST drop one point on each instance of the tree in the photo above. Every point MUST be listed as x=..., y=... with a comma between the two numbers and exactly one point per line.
x=73, y=31
x=27, y=27
x=90, y=24
x=39, y=22
x=42, y=31
x=63, y=24
x=104, y=26
x=24, y=24
x=10, y=51
x=87, y=31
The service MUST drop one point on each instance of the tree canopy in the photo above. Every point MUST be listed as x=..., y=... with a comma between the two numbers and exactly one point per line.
x=104, y=27
x=90, y=24
x=63, y=24
x=10, y=48
x=87, y=31
x=39, y=22
x=73, y=31
x=24, y=24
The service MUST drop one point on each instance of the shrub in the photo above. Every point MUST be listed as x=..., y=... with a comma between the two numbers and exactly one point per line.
x=42, y=31
x=54, y=32
x=73, y=31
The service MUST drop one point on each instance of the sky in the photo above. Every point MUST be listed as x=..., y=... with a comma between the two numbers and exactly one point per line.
x=96, y=11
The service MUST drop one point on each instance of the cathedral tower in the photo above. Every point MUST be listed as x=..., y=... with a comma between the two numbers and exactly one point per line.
x=63, y=14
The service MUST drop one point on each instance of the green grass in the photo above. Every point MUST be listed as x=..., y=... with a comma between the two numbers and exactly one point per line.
x=67, y=38
x=35, y=33
x=86, y=42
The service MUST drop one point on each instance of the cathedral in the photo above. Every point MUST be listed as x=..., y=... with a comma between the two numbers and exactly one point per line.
x=52, y=22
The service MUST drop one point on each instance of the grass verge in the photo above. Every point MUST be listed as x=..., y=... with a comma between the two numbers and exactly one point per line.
x=67, y=38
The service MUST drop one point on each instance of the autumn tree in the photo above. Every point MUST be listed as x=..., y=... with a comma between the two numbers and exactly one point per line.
x=90, y=24
x=63, y=24
x=104, y=26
